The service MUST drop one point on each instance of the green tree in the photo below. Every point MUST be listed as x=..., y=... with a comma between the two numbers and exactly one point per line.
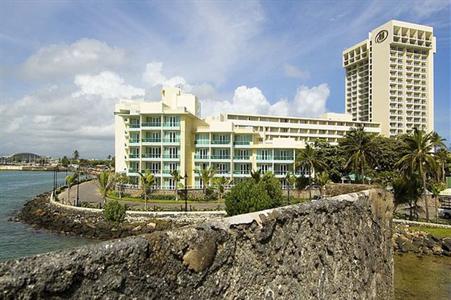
x=441, y=157
x=322, y=179
x=436, y=187
x=291, y=181
x=360, y=148
x=76, y=155
x=332, y=157
x=147, y=181
x=114, y=211
x=309, y=160
x=65, y=161
x=206, y=174
x=70, y=181
x=121, y=179
x=407, y=189
x=249, y=196
x=220, y=183
x=256, y=175
x=106, y=182
x=419, y=160
x=176, y=177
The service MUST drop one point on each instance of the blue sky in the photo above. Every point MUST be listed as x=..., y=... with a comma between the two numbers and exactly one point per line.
x=65, y=64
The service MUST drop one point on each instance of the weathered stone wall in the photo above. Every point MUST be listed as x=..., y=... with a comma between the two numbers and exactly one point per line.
x=338, y=248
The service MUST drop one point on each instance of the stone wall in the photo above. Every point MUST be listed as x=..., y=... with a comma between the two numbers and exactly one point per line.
x=337, y=248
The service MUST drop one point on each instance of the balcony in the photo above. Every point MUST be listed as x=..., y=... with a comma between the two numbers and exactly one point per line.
x=283, y=158
x=220, y=157
x=171, y=125
x=263, y=157
x=220, y=142
x=168, y=171
x=133, y=141
x=151, y=140
x=151, y=124
x=171, y=140
x=132, y=170
x=133, y=126
x=151, y=155
x=242, y=172
x=199, y=156
x=242, y=143
x=171, y=156
x=238, y=157
x=201, y=142
x=133, y=155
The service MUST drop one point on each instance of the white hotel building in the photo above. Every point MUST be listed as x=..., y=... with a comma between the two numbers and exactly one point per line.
x=170, y=135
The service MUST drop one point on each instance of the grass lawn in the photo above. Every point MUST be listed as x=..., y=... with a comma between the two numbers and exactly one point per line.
x=435, y=231
x=160, y=201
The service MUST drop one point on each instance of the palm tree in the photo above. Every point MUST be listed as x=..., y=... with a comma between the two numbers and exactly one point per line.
x=147, y=181
x=76, y=155
x=360, y=147
x=441, y=157
x=221, y=183
x=206, y=174
x=70, y=181
x=322, y=179
x=121, y=179
x=419, y=146
x=309, y=160
x=436, y=187
x=256, y=175
x=106, y=182
x=291, y=180
x=177, y=177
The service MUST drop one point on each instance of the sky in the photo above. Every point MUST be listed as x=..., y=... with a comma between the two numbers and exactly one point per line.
x=63, y=65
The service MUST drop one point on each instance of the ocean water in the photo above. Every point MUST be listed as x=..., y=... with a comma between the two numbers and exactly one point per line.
x=17, y=239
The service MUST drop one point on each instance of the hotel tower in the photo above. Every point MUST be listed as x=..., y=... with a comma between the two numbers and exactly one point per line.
x=390, y=78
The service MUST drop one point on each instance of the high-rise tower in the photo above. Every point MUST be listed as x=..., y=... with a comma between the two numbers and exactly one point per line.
x=390, y=78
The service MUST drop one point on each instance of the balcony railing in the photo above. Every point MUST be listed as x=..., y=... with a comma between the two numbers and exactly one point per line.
x=153, y=171
x=171, y=156
x=220, y=142
x=283, y=158
x=172, y=141
x=220, y=157
x=132, y=170
x=238, y=157
x=242, y=142
x=133, y=125
x=199, y=156
x=134, y=141
x=168, y=171
x=262, y=157
x=151, y=124
x=151, y=140
x=242, y=172
x=202, y=142
x=133, y=155
x=150, y=155
x=171, y=125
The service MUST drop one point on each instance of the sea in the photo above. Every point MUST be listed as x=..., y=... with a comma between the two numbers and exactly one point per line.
x=17, y=239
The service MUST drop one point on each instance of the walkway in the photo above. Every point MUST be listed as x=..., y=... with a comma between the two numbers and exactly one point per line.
x=89, y=192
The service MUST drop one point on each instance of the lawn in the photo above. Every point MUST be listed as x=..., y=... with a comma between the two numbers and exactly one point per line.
x=159, y=201
x=435, y=231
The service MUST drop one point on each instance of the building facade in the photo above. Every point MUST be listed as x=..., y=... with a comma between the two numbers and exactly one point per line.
x=390, y=78
x=170, y=135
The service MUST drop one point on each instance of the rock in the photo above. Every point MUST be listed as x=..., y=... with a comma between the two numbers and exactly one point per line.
x=446, y=244
x=437, y=249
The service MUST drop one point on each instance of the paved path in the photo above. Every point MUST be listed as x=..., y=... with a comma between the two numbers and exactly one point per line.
x=89, y=192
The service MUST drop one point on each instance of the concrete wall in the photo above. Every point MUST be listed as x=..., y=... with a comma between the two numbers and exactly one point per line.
x=339, y=248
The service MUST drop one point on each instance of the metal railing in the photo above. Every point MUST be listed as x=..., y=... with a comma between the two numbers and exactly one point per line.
x=151, y=140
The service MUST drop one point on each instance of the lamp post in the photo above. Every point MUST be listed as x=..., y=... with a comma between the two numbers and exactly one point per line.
x=78, y=188
x=186, y=192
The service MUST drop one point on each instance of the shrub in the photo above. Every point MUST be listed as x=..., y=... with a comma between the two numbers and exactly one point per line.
x=114, y=211
x=249, y=196
x=210, y=194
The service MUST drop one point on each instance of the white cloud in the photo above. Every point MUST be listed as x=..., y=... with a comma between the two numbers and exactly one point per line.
x=154, y=77
x=308, y=102
x=83, y=55
x=424, y=9
x=295, y=72
x=107, y=85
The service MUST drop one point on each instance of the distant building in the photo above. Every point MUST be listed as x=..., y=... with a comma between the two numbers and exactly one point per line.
x=170, y=135
x=390, y=78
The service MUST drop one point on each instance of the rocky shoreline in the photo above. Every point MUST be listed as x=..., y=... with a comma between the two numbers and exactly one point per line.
x=406, y=240
x=40, y=213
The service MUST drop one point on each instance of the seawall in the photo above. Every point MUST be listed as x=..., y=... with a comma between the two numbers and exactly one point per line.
x=337, y=248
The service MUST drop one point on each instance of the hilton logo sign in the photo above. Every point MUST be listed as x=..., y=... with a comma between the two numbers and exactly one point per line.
x=381, y=36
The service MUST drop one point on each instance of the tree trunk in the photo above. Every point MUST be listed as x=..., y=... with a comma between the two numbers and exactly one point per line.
x=363, y=175
x=145, y=200
x=288, y=194
x=425, y=199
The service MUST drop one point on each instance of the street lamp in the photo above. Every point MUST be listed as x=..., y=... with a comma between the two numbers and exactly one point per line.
x=186, y=192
